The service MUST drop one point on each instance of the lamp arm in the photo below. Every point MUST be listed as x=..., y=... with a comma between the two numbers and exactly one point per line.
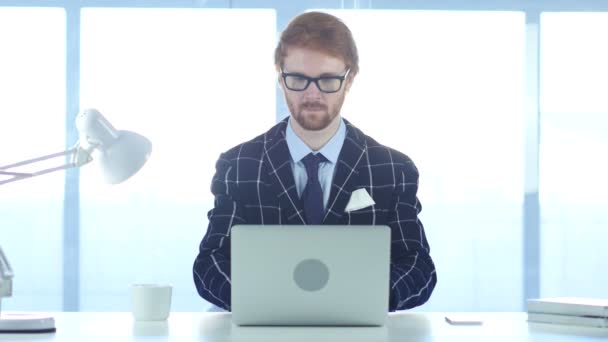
x=79, y=155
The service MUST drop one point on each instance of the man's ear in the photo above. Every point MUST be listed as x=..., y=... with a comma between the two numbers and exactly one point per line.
x=280, y=80
x=279, y=71
x=349, y=82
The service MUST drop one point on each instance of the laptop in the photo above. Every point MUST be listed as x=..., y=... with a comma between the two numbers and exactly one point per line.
x=310, y=275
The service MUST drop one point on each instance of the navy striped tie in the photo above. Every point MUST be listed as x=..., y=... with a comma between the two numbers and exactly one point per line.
x=312, y=196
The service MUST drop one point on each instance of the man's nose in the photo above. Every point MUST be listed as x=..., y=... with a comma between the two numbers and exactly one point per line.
x=312, y=91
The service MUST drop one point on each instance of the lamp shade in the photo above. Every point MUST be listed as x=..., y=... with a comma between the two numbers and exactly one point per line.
x=124, y=157
x=121, y=153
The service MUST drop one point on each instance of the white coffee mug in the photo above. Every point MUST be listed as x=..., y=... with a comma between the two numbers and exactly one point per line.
x=151, y=302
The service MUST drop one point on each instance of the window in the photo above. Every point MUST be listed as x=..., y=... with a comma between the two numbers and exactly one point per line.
x=196, y=84
x=573, y=164
x=32, y=124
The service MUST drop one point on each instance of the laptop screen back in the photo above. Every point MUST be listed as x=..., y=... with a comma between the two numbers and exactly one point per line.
x=310, y=275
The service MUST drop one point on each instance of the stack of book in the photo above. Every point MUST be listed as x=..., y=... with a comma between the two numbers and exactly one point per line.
x=591, y=312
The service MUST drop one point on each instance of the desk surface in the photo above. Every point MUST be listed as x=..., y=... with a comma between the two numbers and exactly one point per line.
x=403, y=326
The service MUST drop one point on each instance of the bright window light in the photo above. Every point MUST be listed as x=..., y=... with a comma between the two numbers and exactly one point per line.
x=196, y=82
x=32, y=124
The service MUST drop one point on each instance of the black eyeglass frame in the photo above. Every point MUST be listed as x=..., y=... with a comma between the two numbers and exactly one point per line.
x=314, y=80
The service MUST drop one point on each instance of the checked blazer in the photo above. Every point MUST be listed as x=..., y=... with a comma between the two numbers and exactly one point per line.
x=254, y=184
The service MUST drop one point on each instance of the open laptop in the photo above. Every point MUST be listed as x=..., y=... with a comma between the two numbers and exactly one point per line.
x=310, y=275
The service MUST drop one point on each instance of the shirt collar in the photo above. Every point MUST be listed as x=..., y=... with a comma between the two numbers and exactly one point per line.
x=331, y=150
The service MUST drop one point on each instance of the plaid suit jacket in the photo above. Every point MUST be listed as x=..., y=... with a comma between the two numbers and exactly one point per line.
x=254, y=184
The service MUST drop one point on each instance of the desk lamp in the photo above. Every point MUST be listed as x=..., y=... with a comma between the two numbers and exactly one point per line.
x=119, y=154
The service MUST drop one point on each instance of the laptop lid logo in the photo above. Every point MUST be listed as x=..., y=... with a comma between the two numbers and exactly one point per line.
x=311, y=275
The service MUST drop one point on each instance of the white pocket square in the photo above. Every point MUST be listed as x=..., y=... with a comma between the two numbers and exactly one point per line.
x=359, y=199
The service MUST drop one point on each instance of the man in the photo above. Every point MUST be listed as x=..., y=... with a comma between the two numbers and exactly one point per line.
x=305, y=169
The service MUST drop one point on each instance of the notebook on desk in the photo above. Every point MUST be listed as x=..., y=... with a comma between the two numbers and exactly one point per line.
x=577, y=306
x=310, y=275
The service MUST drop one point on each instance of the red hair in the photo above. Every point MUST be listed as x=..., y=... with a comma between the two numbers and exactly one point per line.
x=322, y=32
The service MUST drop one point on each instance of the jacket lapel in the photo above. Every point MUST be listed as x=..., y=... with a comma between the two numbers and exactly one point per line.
x=280, y=174
x=346, y=176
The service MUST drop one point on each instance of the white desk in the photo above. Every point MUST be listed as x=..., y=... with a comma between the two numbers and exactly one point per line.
x=402, y=327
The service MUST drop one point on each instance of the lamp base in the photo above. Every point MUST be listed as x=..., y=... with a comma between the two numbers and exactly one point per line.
x=17, y=323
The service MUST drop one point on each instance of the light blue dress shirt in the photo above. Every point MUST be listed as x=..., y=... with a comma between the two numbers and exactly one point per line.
x=331, y=150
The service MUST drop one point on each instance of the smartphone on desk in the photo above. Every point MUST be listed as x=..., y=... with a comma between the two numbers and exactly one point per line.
x=463, y=319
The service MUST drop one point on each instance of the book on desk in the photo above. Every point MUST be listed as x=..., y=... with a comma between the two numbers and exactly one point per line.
x=591, y=312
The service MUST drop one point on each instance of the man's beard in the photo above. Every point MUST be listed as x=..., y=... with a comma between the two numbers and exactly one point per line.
x=319, y=120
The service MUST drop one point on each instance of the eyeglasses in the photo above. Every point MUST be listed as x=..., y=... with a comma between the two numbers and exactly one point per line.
x=325, y=84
